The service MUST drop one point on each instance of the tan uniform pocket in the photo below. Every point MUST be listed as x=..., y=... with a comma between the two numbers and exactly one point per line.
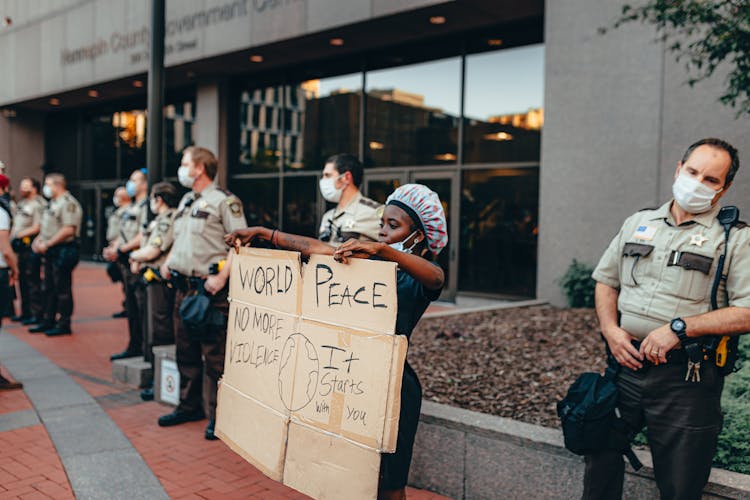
x=632, y=255
x=691, y=274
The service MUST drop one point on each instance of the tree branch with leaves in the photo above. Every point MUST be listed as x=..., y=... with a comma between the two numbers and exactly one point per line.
x=703, y=34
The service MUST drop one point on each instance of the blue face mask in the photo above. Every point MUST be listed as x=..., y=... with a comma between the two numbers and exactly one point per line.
x=130, y=188
x=399, y=245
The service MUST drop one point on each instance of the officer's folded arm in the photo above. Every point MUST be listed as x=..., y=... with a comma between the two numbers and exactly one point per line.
x=731, y=320
x=618, y=340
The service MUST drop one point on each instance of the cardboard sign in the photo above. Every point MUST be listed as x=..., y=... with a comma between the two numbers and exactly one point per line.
x=312, y=377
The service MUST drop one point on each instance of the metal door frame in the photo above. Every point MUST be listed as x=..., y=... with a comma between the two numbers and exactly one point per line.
x=454, y=176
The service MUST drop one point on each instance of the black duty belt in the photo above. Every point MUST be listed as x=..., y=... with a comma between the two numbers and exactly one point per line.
x=185, y=283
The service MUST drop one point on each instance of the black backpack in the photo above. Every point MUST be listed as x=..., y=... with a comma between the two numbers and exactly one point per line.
x=590, y=419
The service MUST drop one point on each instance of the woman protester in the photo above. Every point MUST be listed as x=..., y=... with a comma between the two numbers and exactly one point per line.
x=413, y=231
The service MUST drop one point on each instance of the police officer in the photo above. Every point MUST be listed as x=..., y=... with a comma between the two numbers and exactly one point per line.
x=8, y=266
x=131, y=225
x=146, y=261
x=354, y=216
x=203, y=217
x=27, y=223
x=653, y=300
x=121, y=200
x=58, y=244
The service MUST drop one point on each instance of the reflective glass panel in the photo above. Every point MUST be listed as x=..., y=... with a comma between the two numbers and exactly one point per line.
x=324, y=120
x=260, y=200
x=300, y=203
x=412, y=114
x=260, y=129
x=499, y=229
x=504, y=105
x=179, y=120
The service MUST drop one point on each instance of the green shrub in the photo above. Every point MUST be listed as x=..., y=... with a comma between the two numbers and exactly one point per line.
x=578, y=285
x=733, y=450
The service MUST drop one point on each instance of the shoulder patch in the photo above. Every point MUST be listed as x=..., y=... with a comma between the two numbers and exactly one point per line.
x=369, y=203
x=164, y=226
x=72, y=207
x=234, y=206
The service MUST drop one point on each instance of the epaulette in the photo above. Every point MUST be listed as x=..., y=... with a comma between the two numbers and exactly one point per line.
x=225, y=191
x=369, y=203
x=648, y=208
x=740, y=224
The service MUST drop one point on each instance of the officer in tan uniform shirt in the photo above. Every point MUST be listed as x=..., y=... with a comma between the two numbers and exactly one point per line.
x=203, y=217
x=146, y=261
x=58, y=243
x=121, y=201
x=27, y=223
x=131, y=226
x=355, y=216
x=656, y=276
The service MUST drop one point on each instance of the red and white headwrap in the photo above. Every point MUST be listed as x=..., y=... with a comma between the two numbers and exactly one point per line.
x=423, y=205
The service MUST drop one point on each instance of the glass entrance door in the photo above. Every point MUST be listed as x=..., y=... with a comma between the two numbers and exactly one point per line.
x=445, y=184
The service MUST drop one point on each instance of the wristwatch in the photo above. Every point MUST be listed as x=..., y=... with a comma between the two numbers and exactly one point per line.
x=679, y=327
x=691, y=345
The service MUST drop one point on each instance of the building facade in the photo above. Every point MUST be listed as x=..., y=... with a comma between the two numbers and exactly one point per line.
x=452, y=94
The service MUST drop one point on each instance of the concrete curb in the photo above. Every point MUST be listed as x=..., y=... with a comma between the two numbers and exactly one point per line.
x=491, y=307
x=99, y=460
x=471, y=455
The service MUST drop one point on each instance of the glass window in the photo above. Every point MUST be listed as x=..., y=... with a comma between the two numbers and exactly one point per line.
x=504, y=105
x=260, y=200
x=412, y=114
x=178, y=134
x=499, y=229
x=300, y=202
x=260, y=133
x=327, y=114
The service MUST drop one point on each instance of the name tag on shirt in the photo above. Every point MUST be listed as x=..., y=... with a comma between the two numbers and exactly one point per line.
x=645, y=233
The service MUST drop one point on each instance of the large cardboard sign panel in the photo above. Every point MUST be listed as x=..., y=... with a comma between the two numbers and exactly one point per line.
x=311, y=392
x=351, y=372
x=256, y=433
x=327, y=467
x=267, y=278
x=360, y=295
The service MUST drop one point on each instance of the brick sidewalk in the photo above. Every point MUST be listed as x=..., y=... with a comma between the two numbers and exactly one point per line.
x=187, y=465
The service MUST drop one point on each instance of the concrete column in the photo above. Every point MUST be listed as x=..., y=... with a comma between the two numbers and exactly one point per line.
x=22, y=144
x=601, y=138
x=211, y=110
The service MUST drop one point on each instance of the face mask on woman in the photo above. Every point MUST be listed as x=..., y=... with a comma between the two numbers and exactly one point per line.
x=47, y=192
x=400, y=245
x=693, y=196
x=184, y=177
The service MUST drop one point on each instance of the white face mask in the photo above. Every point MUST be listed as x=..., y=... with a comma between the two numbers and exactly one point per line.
x=184, y=178
x=399, y=245
x=691, y=195
x=47, y=191
x=153, y=204
x=328, y=189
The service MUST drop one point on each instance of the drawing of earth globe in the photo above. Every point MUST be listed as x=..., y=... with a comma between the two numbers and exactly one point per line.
x=298, y=372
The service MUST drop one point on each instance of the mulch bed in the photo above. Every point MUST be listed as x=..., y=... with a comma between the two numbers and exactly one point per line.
x=514, y=363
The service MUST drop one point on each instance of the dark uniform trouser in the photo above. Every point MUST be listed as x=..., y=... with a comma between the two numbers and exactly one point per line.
x=198, y=384
x=5, y=296
x=30, y=283
x=133, y=305
x=159, y=328
x=59, y=262
x=683, y=421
